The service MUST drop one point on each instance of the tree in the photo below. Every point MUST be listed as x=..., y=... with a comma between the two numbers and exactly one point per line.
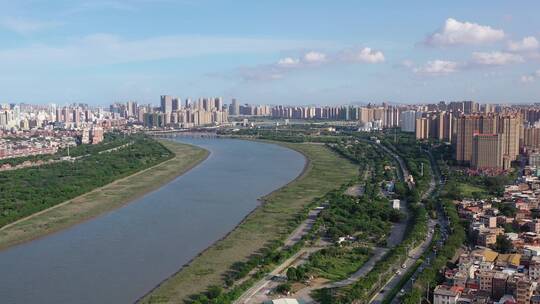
x=503, y=244
x=291, y=274
x=284, y=288
x=214, y=291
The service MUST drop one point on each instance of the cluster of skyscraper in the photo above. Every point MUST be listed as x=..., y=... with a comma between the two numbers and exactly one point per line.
x=369, y=117
x=175, y=113
x=484, y=136
x=26, y=117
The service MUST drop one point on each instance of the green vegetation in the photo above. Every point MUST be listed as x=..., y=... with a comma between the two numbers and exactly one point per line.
x=337, y=263
x=292, y=134
x=113, y=195
x=431, y=276
x=365, y=288
x=246, y=253
x=30, y=190
x=411, y=151
x=367, y=218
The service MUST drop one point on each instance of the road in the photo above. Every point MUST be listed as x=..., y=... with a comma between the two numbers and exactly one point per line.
x=303, y=229
x=258, y=293
x=250, y=296
x=444, y=228
x=416, y=253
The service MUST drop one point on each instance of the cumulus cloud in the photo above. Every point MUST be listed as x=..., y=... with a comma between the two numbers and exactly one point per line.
x=288, y=62
x=455, y=32
x=314, y=57
x=26, y=26
x=495, y=58
x=310, y=59
x=365, y=55
x=526, y=44
x=437, y=67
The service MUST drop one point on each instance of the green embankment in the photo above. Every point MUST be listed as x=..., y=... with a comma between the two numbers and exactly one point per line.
x=324, y=172
x=103, y=199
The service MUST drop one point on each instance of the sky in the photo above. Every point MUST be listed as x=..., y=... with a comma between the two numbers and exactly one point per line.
x=269, y=51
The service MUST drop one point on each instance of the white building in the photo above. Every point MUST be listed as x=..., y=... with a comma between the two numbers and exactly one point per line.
x=445, y=295
x=395, y=204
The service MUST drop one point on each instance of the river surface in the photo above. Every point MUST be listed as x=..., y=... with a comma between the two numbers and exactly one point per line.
x=120, y=256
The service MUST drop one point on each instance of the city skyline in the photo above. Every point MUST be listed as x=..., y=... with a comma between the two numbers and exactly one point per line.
x=104, y=51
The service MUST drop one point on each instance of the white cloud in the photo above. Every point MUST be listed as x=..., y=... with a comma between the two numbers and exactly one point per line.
x=455, y=32
x=310, y=59
x=314, y=57
x=26, y=26
x=288, y=62
x=437, y=67
x=526, y=44
x=366, y=55
x=495, y=58
x=103, y=49
x=531, y=77
x=527, y=78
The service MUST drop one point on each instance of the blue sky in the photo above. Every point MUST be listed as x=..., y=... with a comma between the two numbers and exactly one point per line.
x=274, y=52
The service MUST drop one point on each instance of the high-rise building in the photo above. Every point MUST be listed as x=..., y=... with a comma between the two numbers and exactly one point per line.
x=166, y=104
x=509, y=126
x=218, y=103
x=466, y=127
x=422, y=128
x=470, y=107
x=487, y=151
x=235, y=107
x=443, y=126
x=531, y=137
x=176, y=103
x=131, y=108
x=408, y=121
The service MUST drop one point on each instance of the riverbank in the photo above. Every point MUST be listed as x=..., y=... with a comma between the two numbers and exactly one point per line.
x=323, y=172
x=104, y=199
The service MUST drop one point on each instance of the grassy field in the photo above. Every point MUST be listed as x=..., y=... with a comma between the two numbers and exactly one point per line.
x=339, y=266
x=468, y=189
x=103, y=199
x=324, y=172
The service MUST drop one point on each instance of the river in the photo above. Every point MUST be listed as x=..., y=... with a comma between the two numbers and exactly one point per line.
x=121, y=255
